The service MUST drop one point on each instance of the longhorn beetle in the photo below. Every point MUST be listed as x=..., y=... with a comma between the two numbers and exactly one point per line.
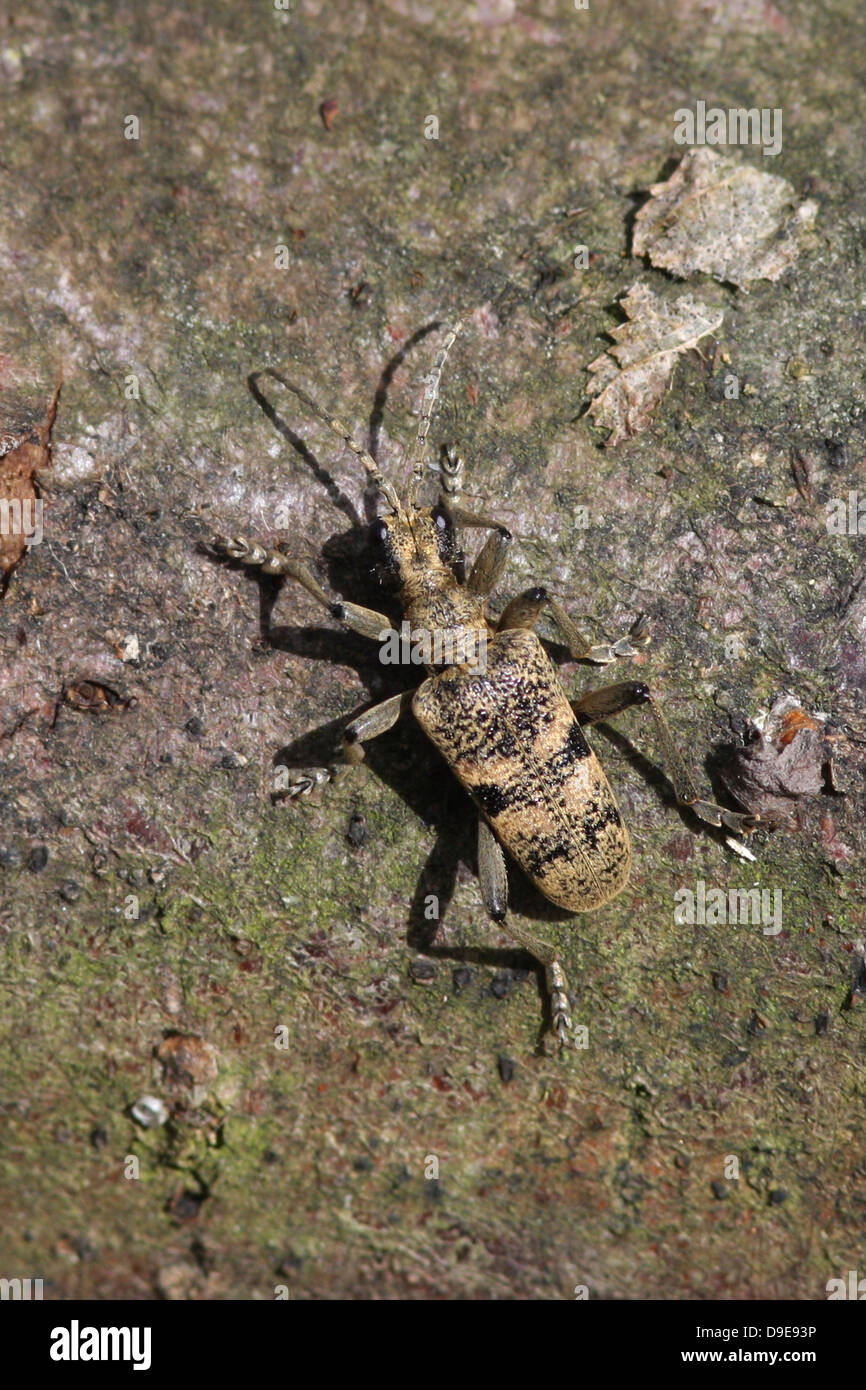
x=506, y=728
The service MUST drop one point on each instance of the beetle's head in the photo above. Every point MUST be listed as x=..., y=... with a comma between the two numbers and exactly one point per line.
x=410, y=541
x=413, y=541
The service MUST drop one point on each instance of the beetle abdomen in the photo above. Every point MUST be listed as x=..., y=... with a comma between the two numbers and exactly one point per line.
x=512, y=739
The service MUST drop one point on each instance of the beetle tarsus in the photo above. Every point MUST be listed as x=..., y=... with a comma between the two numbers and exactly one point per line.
x=602, y=655
x=739, y=821
x=560, y=1007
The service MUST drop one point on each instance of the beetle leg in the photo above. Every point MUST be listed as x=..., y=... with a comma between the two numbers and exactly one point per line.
x=493, y=880
x=365, y=621
x=613, y=699
x=451, y=469
x=492, y=872
x=489, y=564
x=683, y=782
x=609, y=700
x=374, y=721
x=490, y=561
x=474, y=521
x=378, y=719
x=525, y=610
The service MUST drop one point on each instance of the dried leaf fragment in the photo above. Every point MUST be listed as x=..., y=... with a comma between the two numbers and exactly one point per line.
x=328, y=112
x=23, y=455
x=788, y=758
x=721, y=216
x=631, y=378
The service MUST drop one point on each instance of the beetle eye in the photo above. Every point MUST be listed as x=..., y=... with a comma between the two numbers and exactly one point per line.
x=379, y=531
x=440, y=520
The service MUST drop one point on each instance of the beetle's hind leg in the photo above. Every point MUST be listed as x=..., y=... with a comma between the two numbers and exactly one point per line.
x=493, y=880
x=525, y=610
x=613, y=699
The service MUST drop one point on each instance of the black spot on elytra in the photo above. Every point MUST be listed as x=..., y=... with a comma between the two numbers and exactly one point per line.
x=493, y=799
x=595, y=817
x=572, y=750
x=545, y=852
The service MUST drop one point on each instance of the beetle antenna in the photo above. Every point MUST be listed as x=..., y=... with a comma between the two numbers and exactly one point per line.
x=431, y=395
x=380, y=483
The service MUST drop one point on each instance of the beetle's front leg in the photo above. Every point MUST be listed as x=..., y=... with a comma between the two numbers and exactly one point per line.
x=525, y=610
x=613, y=699
x=493, y=880
x=451, y=468
x=365, y=621
x=490, y=563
